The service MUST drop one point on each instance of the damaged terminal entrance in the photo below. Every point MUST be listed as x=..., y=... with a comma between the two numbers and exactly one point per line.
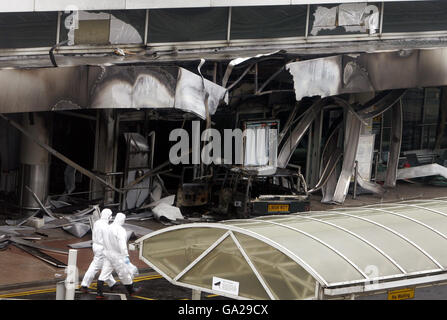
x=344, y=134
x=359, y=115
x=337, y=137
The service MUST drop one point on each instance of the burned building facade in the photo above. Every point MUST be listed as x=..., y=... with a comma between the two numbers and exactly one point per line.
x=90, y=93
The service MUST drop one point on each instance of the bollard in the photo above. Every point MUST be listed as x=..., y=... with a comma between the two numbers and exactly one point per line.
x=60, y=290
x=71, y=280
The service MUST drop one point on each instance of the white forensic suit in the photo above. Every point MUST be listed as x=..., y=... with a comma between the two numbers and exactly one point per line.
x=117, y=256
x=100, y=228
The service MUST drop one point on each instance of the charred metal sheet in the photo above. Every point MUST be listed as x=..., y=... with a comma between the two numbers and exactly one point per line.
x=133, y=87
x=37, y=246
x=396, y=141
x=140, y=216
x=298, y=133
x=332, y=144
x=379, y=104
x=13, y=230
x=168, y=200
x=329, y=188
x=157, y=88
x=368, y=185
x=137, y=230
x=81, y=245
x=353, y=126
x=190, y=97
x=97, y=87
x=4, y=242
x=77, y=229
x=369, y=72
x=84, y=212
x=317, y=77
x=233, y=63
x=46, y=210
x=288, y=123
x=137, y=165
x=427, y=170
x=43, y=88
x=21, y=222
x=57, y=204
x=328, y=170
x=62, y=222
x=42, y=256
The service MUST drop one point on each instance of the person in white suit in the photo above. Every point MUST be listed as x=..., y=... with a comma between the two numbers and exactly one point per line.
x=117, y=258
x=100, y=228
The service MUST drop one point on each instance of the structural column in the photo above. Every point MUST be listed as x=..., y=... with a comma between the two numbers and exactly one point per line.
x=106, y=145
x=35, y=161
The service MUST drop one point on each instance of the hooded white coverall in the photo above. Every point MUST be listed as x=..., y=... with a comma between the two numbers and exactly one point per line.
x=115, y=250
x=100, y=228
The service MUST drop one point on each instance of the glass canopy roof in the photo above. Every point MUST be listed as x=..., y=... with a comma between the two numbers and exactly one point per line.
x=290, y=256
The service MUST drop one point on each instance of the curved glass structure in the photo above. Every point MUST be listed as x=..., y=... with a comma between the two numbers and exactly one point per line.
x=339, y=251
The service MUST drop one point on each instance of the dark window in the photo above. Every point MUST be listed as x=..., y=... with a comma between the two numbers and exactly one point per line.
x=28, y=29
x=415, y=16
x=192, y=24
x=268, y=22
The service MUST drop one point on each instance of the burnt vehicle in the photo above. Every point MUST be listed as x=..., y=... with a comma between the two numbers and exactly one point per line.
x=246, y=192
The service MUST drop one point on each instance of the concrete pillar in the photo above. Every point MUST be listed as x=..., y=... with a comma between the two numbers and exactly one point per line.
x=35, y=161
x=106, y=145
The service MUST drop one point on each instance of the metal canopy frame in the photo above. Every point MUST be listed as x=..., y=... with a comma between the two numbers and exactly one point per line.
x=431, y=266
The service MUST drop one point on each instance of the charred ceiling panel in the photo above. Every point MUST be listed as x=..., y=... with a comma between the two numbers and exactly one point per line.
x=189, y=95
x=161, y=88
x=317, y=77
x=134, y=87
x=41, y=89
x=369, y=72
x=97, y=87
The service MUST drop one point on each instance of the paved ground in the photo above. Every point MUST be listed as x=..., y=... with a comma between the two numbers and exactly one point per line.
x=20, y=269
x=155, y=287
x=22, y=274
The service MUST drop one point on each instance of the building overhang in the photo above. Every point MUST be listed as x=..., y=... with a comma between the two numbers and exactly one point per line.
x=369, y=72
x=100, y=87
x=62, y=5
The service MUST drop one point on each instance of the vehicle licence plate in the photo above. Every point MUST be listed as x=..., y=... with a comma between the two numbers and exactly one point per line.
x=401, y=294
x=278, y=208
